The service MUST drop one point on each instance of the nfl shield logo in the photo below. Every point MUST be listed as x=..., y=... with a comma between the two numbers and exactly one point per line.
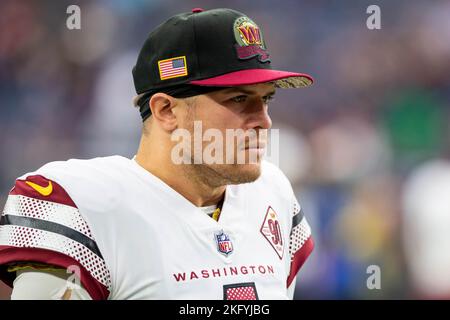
x=224, y=244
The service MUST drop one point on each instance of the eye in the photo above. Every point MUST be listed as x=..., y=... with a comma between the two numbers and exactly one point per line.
x=239, y=99
x=266, y=99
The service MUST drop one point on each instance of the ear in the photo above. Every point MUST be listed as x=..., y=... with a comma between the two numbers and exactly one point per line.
x=162, y=106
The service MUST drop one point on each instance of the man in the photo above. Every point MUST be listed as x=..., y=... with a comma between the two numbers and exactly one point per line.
x=168, y=224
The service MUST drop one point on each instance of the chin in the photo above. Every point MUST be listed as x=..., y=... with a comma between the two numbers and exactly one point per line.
x=242, y=173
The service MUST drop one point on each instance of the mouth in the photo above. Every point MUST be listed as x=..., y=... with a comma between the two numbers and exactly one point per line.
x=256, y=146
x=259, y=149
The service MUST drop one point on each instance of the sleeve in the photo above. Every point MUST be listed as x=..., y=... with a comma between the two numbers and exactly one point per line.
x=301, y=243
x=47, y=285
x=42, y=224
x=291, y=289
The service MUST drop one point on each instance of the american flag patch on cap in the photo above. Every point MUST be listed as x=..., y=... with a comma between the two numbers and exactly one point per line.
x=172, y=68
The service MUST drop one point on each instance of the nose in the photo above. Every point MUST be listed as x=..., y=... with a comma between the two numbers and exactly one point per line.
x=259, y=117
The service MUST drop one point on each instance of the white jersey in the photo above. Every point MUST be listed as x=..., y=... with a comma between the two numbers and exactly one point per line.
x=131, y=236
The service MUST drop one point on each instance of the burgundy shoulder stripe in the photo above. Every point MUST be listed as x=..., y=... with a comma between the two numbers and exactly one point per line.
x=39, y=187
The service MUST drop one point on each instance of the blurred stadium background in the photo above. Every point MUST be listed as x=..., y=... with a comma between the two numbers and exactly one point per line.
x=367, y=147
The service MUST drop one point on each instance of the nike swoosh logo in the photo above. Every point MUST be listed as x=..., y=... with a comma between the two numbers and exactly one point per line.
x=45, y=191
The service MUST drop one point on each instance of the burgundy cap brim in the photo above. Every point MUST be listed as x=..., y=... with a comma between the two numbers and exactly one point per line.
x=281, y=79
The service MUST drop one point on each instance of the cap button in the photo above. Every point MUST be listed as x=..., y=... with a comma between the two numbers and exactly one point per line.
x=195, y=10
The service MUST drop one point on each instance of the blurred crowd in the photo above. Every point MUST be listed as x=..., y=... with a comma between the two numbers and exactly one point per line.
x=366, y=148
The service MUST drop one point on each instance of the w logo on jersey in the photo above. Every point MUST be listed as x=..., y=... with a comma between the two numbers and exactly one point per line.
x=224, y=244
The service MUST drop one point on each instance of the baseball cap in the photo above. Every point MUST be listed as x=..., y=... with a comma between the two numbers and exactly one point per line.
x=215, y=48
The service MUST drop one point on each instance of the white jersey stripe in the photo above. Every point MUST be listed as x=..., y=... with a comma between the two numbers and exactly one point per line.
x=19, y=205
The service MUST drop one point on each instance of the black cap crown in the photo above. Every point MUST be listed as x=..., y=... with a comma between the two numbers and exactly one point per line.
x=194, y=46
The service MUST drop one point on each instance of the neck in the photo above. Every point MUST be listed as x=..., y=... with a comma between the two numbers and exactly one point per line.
x=155, y=158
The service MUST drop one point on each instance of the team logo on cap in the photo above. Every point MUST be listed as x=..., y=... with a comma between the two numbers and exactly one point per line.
x=224, y=244
x=250, y=42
